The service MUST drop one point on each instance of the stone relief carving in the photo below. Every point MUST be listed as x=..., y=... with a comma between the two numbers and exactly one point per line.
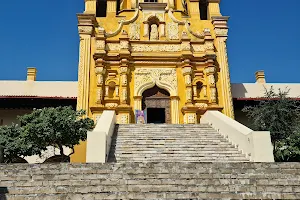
x=166, y=76
x=198, y=47
x=113, y=46
x=186, y=70
x=209, y=45
x=111, y=105
x=99, y=95
x=80, y=72
x=154, y=32
x=213, y=94
x=221, y=31
x=100, y=44
x=123, y=119
x=134, y=31
x=185, y=46
x=124, y=44
x=124, y=79
x=201, y=105
x=85, y=29
x=212, y=80
x=124, y=95
x=189, y=118
x=188, y=94
x=155, y=48
x=172, y=30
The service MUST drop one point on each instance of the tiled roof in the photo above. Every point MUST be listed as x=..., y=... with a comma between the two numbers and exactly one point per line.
x=39, y=89
x=257, y=90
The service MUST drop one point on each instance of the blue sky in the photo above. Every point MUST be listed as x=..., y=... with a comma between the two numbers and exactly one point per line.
x=264, y=35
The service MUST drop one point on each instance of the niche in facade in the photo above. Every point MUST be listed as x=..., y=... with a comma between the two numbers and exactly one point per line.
x=153, y=24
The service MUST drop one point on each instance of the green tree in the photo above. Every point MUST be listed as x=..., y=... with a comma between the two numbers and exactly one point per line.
x=15, y=144
x=57, y=127
x=280, y=115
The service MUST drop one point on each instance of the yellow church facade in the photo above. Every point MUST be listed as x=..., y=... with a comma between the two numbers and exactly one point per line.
x=139, y=45
x=166, y=58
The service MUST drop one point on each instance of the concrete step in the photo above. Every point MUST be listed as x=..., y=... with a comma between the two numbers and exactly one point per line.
x=165, y=180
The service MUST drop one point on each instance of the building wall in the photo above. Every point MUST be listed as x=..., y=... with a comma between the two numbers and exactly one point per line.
x=9, y=116
x=114, y=49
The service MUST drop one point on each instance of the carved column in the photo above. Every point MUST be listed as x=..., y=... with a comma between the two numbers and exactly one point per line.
x=85, y=29
x=174, y=110
x=162, y=28
x=221, y=30
x=187, y=74
x=146, y=29
x=100, y=71
x=210, y=75
x=138, y=102
x=124, y=70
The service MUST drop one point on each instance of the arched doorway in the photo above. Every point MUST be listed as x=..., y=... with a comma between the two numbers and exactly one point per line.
x=156, y=103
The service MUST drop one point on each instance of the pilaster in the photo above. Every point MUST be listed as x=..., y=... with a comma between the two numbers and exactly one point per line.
x=86, y=30
x=213, y=8
x=100, y=71
x=174, y=109
x=210, y=71
x=194, y=9
x=111, y=6
x=221, y=31
x=90, y=6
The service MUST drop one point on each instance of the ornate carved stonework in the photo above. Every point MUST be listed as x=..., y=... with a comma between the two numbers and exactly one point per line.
x=85, y=30
x=189, y=118
x=155, y=48
x=213, y=94
x=80, y=72
x=159, y=76
x=212, y=80
x=221, y=32
x=124, y=44
x=209, y=45
x=172, y=31
x=111, y=105
x=185, y=46
x=201, y=105
x=123, y=119
x=134, y=31
x=113, y=46
x=100, y=44
x=198, y=47
x=154, y=32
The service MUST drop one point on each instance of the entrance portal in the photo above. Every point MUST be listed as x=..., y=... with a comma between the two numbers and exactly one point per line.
x=156, y=102
x=156, y=115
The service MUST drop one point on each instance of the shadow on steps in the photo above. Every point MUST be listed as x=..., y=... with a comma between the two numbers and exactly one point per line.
x=3, y=192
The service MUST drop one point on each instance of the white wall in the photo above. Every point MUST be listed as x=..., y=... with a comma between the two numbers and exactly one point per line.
x=256, y=145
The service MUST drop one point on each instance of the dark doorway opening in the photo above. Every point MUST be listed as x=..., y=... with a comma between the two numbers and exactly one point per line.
x=156, y=115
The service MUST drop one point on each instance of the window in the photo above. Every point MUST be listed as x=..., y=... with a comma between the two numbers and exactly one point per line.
x=101, y=8
x=203, y=9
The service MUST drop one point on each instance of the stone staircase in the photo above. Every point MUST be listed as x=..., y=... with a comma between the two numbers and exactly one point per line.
x=171, y=143
x=150, y=181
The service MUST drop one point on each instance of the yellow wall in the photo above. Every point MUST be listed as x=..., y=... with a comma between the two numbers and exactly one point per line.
x=111, y=23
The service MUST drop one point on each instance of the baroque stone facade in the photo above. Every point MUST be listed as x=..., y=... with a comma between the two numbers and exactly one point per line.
x=153, y=46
